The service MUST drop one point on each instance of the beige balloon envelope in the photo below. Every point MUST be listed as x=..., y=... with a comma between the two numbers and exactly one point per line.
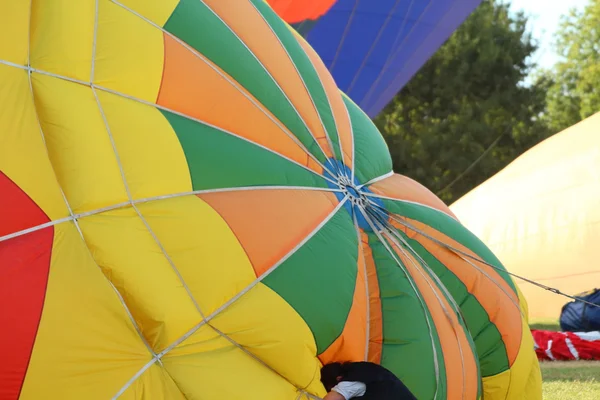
x=541, y=216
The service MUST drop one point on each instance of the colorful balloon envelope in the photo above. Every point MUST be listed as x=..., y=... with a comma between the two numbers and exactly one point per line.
x=374, y=47
x=190, y=208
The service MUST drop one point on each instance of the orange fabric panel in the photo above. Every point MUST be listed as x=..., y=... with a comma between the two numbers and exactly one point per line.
x=461, y=376
x=249, y=25
x=340, y=113
x=403, y=188
x=375, y=311
x=294, y=11
x=192, y=86
x=270, y=223
x=506, y=315
x=351, y=344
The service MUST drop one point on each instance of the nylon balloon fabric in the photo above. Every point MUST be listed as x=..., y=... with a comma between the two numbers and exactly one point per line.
x=191, y=209
x=374, y=47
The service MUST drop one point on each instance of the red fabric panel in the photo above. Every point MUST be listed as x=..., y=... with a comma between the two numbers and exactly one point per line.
x=563, y=346
x=24, y=268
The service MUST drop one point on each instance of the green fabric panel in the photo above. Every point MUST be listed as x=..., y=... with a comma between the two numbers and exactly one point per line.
x=319, y=279
x=491, y=350
x=371, y=154
x=407, y=350
x=219, y=160
x=192, y=21
x=472, y=350
x=451, y=228
x=307, y=72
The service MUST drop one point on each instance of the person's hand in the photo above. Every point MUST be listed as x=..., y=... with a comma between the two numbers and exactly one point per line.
x=333, y=396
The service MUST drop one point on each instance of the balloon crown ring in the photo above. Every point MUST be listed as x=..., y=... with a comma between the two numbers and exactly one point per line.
x=361, y=202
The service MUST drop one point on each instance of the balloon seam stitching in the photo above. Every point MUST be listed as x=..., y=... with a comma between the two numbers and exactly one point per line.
x=367, y=291
x=329, y=141
x=133, y=98
x=273, y=78
x=224, y=76
x=375, y=43
x=79, y=216
x=66, y=202
x=418, y=295
x=134, y=206
x=344, y=36
x=444, y=308
x=223, y=307
x=375, y=180
x=378, y=196
x=459, y=253
x=395, y=53
x=352, y=144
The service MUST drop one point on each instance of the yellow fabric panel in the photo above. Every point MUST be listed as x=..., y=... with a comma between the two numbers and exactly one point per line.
x=154, y=384
x=526, y=377
x=23, y=156
x=206, y=252
x=62, y=36
x=496, y=387
x=544, y=229
x=523, y=303
x=128, y=254
x=86, y=346
x=78, y=143
x=214, y=368
x=203, y=340
x=533, y=386
x=157, y=11
x=14, y=31
x=523, y=381
x=129, y=53
x=151, y=155
x=262, y=317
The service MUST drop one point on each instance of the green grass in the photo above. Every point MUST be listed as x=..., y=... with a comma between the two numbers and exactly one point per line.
x=577, y=380
x=566, y=380
x=545, y=324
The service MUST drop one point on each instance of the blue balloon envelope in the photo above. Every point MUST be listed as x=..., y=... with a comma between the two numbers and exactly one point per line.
x=374, y=47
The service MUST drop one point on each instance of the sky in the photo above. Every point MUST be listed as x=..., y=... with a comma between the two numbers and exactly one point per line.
x=544, y=21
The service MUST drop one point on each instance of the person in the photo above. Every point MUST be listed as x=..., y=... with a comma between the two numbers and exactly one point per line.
x=362, y=380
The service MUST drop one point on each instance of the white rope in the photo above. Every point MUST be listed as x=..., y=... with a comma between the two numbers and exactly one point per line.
x=273, y=79
x=447, y=313
x=417, y=294
x=169, y=260
x=74, y=217
x=134, y=206
x=367, y=291
x=303, y=83
x=459, y=254
x=67, y=204
x=145, y=102
x=375, y=180
x=208, y=318
x=227, y=78
x=154, y=198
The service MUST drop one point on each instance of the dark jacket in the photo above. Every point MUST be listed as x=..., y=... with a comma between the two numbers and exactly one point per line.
x=381, y=383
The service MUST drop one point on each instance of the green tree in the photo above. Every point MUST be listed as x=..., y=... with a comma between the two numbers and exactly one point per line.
x=467, y=105
x=575, y=94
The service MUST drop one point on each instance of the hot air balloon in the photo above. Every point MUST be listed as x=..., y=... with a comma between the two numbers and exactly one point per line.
x=540, y=216
x=373, y=48
x=190, y=208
